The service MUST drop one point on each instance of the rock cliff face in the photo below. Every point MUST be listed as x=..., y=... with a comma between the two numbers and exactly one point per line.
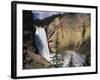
x=71, y=30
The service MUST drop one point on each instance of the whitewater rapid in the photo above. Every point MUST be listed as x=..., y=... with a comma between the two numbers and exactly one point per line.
x=77, y=59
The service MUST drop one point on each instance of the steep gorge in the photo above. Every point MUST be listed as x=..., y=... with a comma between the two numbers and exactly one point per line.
x=69, y=31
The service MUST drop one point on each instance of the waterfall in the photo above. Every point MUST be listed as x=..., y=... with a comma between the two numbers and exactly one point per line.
x=41, y=42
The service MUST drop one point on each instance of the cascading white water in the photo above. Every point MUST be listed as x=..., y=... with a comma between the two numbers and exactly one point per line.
x=41, y=42
x=77, y=60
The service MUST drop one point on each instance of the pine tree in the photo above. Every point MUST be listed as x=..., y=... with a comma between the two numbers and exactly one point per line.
x=84, y=31
x=57, y=61
x=71, y=63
